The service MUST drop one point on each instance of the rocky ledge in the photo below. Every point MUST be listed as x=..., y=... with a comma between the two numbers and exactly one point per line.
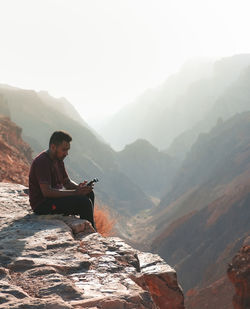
x=56, y=261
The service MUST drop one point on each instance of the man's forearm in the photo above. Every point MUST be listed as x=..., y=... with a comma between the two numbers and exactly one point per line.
x=52, y=192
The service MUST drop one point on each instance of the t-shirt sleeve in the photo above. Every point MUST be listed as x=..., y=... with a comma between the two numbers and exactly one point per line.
x=43, y=172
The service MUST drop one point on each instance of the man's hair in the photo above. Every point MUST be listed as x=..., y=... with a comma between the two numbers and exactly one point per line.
x=58, y=137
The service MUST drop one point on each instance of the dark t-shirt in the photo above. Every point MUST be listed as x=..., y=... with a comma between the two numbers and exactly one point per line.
x=45, y=170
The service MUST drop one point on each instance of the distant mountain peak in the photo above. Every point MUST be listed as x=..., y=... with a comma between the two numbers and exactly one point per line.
x=141, y=145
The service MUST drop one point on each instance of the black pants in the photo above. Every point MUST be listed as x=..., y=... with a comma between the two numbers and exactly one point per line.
x=82, y=205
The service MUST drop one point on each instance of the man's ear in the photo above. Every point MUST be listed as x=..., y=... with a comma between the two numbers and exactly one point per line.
x=53, y=147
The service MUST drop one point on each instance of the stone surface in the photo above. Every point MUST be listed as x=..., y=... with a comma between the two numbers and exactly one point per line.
x=56, y=261
x=160, y=279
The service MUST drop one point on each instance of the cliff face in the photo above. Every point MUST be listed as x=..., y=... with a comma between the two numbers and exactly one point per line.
x=239, y=273
x=15, y=154
x=56, y=261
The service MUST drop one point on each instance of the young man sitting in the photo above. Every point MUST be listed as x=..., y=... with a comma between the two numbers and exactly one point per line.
x=51, y=191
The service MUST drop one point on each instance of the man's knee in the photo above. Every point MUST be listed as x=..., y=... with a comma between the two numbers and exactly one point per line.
x=84, y=200
x=91, y=196
x=86, y=209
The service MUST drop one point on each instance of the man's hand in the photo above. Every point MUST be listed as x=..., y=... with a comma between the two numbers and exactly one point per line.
x=82, y=184
x=83, y=189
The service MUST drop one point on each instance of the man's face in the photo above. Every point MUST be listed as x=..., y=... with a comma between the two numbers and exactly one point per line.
x=60, y=151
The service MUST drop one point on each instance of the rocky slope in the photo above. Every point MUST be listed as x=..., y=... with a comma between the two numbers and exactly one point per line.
x=15, y=154
x=55, y=261
x=239, y=274
x=62, y=105
x=216, y=295
x=209, y=238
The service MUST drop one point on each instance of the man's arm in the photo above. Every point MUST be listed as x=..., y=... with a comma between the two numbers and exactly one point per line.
x=48, y=191
x=70, y=184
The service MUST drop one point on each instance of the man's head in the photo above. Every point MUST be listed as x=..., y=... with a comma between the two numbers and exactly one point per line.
x=59, y=144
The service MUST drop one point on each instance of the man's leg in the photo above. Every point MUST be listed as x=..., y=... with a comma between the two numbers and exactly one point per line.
x=76, y=205
x=91, y=195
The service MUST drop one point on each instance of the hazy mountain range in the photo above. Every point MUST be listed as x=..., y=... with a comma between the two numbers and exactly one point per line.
x=160, y=115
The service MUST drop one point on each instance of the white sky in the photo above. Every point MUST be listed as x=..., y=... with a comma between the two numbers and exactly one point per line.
x=102, y=54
